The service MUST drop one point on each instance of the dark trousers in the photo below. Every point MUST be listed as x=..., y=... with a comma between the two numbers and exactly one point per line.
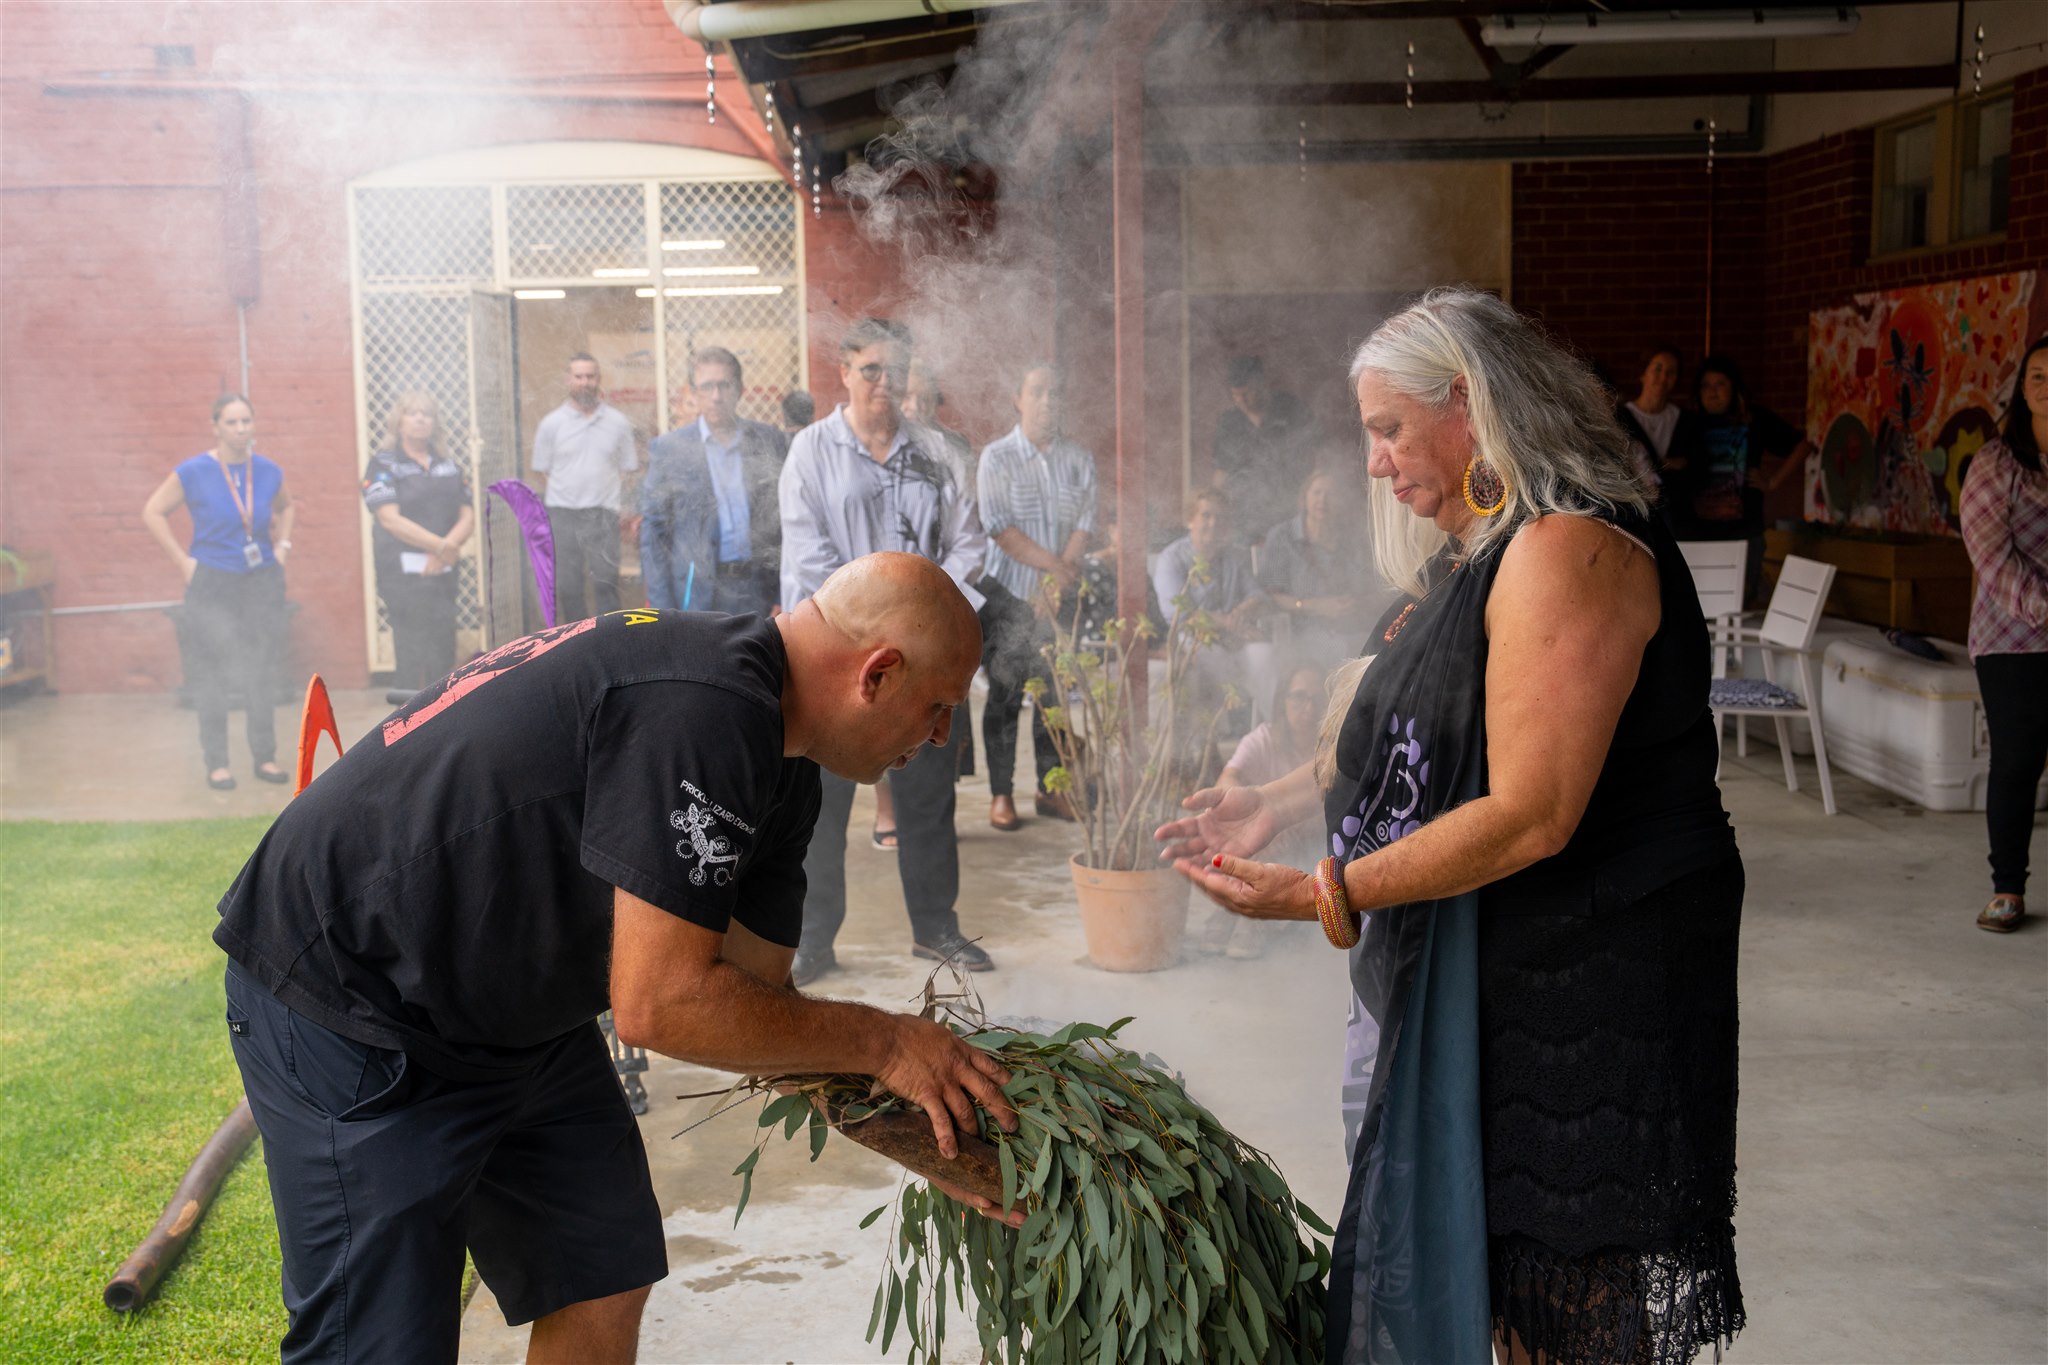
x=236, y=623
x=1012, y=636
x=586, y=544
x=2014, y=688
x=422, y=610
x=382, y=1172
x=927, y=849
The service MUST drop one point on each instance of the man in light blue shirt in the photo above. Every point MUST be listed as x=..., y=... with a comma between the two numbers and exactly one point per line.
x=710, y=520
x=1038, y=506
x=861, y=480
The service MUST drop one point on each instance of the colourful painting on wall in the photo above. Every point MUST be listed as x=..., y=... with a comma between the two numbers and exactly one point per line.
x=1903, y=388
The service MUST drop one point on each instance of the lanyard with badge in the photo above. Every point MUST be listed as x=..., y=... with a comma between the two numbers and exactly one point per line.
x=252, y=553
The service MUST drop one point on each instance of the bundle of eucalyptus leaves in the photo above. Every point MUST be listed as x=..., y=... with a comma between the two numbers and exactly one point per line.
x=1151, y=1232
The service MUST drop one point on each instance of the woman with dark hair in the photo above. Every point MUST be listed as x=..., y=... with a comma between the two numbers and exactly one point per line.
x=1667, y=436
x=234, y=583
x=2005, y=529
x=1720, y=493
x=419, y=499
x=1520, y=791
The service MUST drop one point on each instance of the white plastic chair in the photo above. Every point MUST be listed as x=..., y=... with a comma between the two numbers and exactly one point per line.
x=1787, y=631
x=1718, y=570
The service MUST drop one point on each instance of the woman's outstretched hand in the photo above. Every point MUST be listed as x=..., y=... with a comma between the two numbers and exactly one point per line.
x=1237, y=821
x=1252, y=889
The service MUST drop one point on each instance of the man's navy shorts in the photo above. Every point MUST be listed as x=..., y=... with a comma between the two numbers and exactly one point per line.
x=382, y=1172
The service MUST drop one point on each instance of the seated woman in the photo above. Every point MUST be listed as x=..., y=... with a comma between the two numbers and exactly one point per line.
x=1520, y=800
x=1205, y=572
x=1317, y=568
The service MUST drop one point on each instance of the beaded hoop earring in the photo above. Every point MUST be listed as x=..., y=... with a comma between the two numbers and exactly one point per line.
x=1341, y=924
x=1486, y=493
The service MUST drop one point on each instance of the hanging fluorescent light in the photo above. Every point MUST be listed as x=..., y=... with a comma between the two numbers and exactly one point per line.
x=540, y=293
x=711, y=270
x=696, y=244
x=1670, y=26
x=622, y=272
x=706, y=291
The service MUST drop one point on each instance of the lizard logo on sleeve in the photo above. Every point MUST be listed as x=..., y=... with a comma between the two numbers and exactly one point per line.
x=707, y=848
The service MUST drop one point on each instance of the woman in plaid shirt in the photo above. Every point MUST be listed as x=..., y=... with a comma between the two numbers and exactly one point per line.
x=2005, y=528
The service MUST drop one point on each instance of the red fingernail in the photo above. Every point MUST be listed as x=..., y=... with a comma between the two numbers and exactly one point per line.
x=1218, y=861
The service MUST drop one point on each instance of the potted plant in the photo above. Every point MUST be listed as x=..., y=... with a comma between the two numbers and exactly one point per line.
x=1124, y=773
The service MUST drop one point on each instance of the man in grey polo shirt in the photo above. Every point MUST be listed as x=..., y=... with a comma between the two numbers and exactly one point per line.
x=581, y=455
x=865, y=479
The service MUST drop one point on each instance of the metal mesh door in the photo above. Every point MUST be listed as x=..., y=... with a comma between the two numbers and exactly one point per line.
x=729, y=267
x=419, y=253
x=720, y=259
x=494, y=455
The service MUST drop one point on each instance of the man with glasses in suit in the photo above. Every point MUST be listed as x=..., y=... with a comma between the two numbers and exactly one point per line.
x=710, y=525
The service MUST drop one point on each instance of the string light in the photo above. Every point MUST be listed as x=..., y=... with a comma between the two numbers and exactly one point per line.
x=769, y=118
x=1408, y=92
x=1713, y=130
x=1977, y=82
x=710, y=89
x=1301, y=142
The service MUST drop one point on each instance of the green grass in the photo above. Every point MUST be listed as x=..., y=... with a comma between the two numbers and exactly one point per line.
x=114, y=1069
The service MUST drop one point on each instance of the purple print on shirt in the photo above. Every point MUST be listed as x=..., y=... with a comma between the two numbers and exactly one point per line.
x=1389, y=813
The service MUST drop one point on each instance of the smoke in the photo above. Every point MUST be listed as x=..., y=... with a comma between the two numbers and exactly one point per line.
x=974, y=255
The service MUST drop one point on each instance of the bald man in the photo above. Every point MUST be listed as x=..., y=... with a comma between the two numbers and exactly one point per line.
x=612, y=813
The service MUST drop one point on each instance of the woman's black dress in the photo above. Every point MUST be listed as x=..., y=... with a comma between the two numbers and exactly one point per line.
x=1570, y=1028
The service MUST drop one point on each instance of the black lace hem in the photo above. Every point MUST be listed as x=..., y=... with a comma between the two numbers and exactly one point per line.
x=1616, y=1306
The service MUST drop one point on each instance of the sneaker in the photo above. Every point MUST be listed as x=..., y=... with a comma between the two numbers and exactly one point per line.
x=956, y=950
x=2003, y=914
x=810, y=965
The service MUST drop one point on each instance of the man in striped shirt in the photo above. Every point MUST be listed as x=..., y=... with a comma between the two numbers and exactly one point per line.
x=1038, y=506
x=861, y=480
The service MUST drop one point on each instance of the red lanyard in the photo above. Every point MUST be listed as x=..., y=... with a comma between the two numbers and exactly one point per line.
x=241, y=506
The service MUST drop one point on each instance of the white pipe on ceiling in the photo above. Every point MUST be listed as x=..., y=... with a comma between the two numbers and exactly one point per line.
x=711, y=23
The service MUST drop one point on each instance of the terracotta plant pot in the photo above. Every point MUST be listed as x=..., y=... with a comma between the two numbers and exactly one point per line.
x=1133, y=921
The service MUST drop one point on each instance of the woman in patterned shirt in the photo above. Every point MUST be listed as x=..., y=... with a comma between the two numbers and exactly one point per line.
x=2005, y=529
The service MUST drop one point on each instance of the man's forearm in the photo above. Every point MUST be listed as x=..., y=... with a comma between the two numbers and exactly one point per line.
x=734, y=1021
x=1025, y=550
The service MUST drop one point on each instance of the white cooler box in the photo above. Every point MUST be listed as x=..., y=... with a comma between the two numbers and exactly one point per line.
x=1908, y=725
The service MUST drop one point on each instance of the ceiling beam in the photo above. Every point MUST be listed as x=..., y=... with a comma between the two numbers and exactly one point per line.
x=780, y=59
x=1688, y=85
x=1301, y=11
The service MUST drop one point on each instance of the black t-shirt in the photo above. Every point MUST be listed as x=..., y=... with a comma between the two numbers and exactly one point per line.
x=446, y=887
x=431, y=496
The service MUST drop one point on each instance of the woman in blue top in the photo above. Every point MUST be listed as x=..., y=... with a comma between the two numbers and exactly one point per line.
x=234, y=582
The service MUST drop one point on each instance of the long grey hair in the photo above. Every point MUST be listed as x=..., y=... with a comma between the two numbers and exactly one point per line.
x=1536, y=413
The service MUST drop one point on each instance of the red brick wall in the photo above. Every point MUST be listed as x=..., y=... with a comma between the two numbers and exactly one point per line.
x=1612, y=256
x=1611, y=253
x=119, y=328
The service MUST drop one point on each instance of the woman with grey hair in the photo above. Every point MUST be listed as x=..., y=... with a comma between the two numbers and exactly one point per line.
x=1520, y=804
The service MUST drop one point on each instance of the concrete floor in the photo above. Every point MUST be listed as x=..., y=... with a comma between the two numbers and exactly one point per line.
x=1894, y=1183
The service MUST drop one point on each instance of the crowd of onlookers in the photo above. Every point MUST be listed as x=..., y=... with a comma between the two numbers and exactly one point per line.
x=736, y=515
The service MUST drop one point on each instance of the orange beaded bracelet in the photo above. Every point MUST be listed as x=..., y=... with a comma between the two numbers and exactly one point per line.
x=1341, y=923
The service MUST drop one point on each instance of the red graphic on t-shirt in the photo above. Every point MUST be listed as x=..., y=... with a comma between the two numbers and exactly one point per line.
x=479, y=671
